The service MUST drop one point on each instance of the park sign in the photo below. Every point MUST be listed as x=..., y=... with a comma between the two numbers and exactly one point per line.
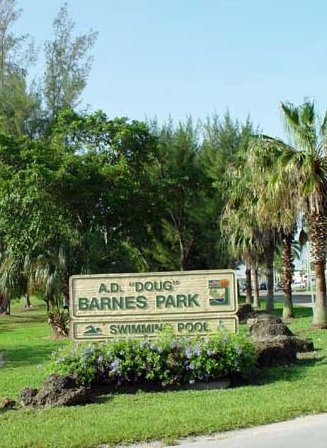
x=136, y=305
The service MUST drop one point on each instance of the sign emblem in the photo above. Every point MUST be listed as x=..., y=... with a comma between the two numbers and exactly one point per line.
x=90, y=330
x=218, y=292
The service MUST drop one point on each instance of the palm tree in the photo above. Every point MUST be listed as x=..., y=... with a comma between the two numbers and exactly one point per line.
x=242, y=243
x=240, y=225
x=275, y=206
x=301, y=167
x=15, y=278
x=249, y=197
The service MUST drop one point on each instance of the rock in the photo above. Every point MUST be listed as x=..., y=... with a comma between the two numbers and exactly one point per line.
x=27, y=396
x=265, y=326
x=245, y=311
x=304, y=345
x=275, y=342
x=7, y=403
x=57, y=390
x=275, y=352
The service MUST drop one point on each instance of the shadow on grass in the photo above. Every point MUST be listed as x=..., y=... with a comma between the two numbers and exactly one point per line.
x=299, y=312
x=292, y=372
x=28, y=316
x=19, y=356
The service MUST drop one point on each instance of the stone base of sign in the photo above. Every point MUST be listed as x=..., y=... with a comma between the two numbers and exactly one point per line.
x=60, y=390
x=101, y=389
x=209, y=386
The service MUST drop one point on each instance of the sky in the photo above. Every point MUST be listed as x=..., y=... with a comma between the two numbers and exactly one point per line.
x=196, y=57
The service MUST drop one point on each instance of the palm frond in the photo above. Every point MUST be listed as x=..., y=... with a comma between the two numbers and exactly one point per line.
x=300, y=124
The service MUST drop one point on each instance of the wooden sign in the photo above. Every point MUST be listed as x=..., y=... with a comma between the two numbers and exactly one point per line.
x=136, y=305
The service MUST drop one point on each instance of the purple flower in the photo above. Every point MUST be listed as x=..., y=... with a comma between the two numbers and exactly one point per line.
x=114, y=365
x=238, y=349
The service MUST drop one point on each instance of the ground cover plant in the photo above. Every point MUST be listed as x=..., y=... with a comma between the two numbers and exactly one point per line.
x=278, y=394
x=166, y=360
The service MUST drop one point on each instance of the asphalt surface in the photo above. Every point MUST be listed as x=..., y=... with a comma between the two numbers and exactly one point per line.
x=302, y=432
x=298, y=298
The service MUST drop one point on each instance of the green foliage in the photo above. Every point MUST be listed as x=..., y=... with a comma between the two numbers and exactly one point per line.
x=68, y=63
x=74, y=203
x=19, y=104
x=165, y=360
x=185, y=235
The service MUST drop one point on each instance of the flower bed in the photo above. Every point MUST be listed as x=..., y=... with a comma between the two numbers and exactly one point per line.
x=165, y=360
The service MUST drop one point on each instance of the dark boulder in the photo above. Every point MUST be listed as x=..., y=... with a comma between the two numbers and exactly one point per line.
x=27, y=396
x=264, y=326
x=245, y=311
x=57, y=390
x=304, y=345
x=7, y=403
x=276, y=344
x=275, y=352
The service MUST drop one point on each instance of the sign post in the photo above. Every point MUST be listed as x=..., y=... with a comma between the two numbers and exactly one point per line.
x=137, y=305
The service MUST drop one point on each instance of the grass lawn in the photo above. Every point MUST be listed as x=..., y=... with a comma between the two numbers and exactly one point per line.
x=279, y=394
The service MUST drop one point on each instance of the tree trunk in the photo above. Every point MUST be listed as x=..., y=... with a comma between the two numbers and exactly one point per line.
x=318, y=237
x=27, y=301
x=4, y=305
x=270, y=278
x=288, y=269
x=182, y=255
x=248, y=285
x=185, y=247
x=256, y=298
x=65, y=293
x=320, y=312
x=47, y=304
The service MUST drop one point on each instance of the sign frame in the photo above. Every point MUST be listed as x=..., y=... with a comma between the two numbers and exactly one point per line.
x=219, y=299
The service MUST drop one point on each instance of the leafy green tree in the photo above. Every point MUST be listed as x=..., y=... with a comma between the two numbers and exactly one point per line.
x=223, y=141
x=184, y=236
x=78, y=201
x=68, y=63
x=19, y=103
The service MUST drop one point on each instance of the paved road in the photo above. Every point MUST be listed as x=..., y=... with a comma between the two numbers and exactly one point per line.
x=298, y=298
x=302, y=432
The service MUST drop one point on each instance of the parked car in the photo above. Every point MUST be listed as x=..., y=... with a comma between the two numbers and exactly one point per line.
x=298, y=285
x=279, y=286
x=263, y=286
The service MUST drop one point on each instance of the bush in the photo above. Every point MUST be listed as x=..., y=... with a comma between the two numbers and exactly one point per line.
x=165, y=360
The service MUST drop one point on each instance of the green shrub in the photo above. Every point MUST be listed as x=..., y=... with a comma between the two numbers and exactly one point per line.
x=165, y=360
